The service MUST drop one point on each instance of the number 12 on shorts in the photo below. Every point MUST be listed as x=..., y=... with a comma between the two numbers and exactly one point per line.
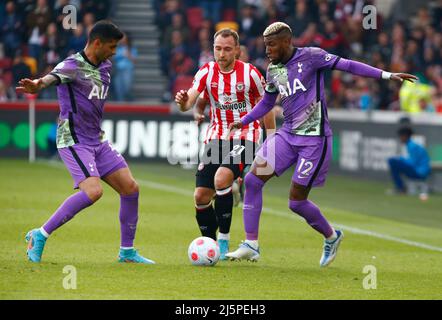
x=304, y=168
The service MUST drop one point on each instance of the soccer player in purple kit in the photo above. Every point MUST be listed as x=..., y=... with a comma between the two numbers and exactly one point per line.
x=83, y=81
x=304, y=140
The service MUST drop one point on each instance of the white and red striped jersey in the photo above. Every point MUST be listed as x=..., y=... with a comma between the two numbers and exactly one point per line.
x=231, y=95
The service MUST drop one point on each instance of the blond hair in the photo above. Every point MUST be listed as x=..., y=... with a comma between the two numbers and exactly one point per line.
x=276, y=28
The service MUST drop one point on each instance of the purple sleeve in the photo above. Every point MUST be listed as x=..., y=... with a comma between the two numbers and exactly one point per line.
x=358, y=68
x=323, y=59
x=261, y=109
x=66, y=70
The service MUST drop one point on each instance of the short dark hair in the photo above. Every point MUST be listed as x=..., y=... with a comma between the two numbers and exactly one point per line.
x=405, y=131
x=228, y=33
x=106, y=31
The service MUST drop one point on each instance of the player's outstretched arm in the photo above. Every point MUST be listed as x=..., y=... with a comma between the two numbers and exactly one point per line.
x=33, y=86
x=401, y=77
x=185, y=99
x=365, y=70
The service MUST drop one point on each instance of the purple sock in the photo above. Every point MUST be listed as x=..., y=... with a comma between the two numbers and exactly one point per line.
x=70, y=207
x=128, y=219
x=252, y=205
x=311, y=213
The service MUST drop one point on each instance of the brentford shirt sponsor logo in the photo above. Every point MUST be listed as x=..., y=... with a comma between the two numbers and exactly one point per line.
x=236, y=106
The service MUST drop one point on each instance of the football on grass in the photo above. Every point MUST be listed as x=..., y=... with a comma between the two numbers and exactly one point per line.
x=203, y=251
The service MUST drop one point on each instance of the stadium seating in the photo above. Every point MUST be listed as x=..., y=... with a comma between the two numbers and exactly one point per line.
x=194, y=19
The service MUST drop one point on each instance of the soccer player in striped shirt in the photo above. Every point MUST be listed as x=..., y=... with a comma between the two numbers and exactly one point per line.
x=83, y=81
x=304, y=140
x=233, y=89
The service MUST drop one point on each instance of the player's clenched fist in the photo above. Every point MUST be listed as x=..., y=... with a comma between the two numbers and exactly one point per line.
x=234, y=126
x=181, y=98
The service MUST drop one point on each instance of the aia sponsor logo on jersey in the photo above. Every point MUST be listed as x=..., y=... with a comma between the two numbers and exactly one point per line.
x=289, y=89
x=240, y=87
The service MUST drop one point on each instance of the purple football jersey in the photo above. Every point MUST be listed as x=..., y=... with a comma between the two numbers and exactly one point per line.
x=300, y=83
x=82, y=91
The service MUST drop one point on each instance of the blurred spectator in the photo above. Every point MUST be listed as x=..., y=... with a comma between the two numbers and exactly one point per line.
x=166, y=51
x=52, y=41
x=212, y=10
x=411, y=95
x=243, y=54
x=250, y=26
x=180, y=64
x=124, y=60
x=37, y=22
x=88, y=21
x=100, y=8
x=177, y=23
x=300, y=18
x=383, y=47
x=20, y=69
x=206, y=54
x=333, y=41
x=78, y=40
x=203, y=48
x=3, y=92
x=12, y=29
x=167, y=10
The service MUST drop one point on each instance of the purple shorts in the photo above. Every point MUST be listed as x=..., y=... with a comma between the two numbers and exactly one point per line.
x=311, y=155
x=85, y=161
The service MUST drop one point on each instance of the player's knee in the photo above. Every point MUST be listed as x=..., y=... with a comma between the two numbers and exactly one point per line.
x=94, y=192
x=202, y=197
x=294, y=205
x=223, y=178
x=252, y=182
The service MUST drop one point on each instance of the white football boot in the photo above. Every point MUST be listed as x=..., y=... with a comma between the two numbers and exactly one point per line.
x=248, y=250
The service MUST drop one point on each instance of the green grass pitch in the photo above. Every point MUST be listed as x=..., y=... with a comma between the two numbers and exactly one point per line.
x=400, y=236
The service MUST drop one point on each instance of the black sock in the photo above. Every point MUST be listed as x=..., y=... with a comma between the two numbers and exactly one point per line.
x=207, y=221
x=223, y=209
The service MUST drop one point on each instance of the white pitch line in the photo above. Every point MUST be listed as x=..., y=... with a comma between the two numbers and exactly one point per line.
x=163, y=187
x=180, y=191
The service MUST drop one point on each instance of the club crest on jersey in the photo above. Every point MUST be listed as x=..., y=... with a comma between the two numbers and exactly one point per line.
x=299, y=67
x=240, y=87
x=289, y=90
x=98, y=92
